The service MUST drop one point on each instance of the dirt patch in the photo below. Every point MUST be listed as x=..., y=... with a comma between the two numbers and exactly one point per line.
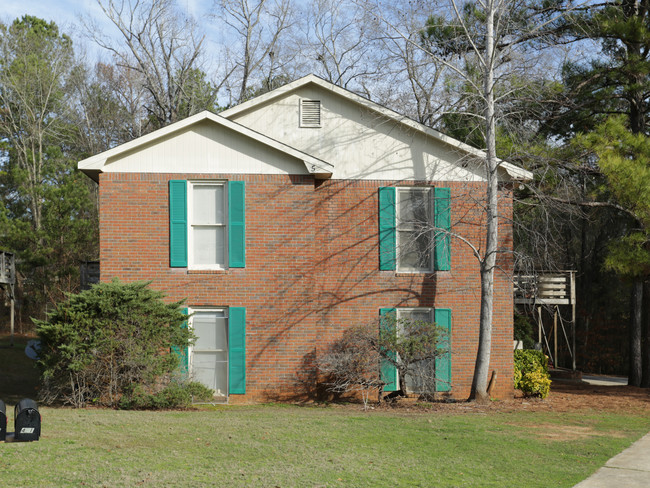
x=563, y=432
x=568, y=396
x=560, y=433
x=565, y=396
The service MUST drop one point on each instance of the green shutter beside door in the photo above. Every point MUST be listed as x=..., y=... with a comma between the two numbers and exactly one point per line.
x=237, y=350
x=443, y=363
x=387, y=232
x=178, y=223
x=388, y=369
x=236, y=224
x=182, y=353
x=442, y=221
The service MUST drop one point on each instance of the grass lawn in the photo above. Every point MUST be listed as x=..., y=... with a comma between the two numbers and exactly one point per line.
x=288, y=446
x=313, y=446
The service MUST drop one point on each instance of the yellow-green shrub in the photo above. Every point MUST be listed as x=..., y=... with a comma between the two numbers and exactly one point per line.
x=531, y=373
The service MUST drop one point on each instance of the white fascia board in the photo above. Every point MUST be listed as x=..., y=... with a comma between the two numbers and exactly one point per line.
x=97, y=161
x=511, y=171
x=95, y=164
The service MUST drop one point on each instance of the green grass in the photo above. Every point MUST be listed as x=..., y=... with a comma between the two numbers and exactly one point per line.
x=290, y=446
x=314, y=446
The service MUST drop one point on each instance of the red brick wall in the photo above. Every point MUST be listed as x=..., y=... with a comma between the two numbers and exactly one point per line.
x=311, y=270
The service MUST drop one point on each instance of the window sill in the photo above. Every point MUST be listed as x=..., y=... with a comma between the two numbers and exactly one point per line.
x=208, y=271
x=421, y=273
x=414, y=272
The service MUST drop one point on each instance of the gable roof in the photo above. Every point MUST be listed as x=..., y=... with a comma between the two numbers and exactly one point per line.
x=94, y=165
x=512, y=171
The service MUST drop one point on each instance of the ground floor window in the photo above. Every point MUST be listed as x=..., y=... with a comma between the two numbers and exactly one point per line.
x=426, y=375
x=208, y=357
x=422, y=377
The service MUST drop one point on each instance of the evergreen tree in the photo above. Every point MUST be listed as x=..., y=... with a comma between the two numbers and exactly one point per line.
x=48, y=215
x=616, y=80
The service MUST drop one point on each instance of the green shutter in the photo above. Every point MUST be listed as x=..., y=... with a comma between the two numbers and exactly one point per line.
x=443, y=363
x=236, y=224
x=387, y=232
x=443, y=221
x=182, y=353
x=388, y=369
x=178, y=223
x=237, y=350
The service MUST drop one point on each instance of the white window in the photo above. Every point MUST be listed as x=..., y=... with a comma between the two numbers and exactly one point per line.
x=422, y=377
x=208, y=217
x=208, y=357
x=414, y=229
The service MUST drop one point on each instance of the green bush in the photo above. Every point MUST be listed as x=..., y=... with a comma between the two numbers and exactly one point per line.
x=531, y=373
x=98, y=344
x=174, y=395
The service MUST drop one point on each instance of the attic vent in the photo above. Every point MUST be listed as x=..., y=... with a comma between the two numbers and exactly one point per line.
x=310, y=113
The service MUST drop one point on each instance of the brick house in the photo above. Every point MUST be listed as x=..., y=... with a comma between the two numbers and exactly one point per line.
x=290, y=217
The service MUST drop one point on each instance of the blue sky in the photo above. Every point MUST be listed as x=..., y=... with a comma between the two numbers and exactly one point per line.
x=67, y=11
x=61, y=11
x=66, y=14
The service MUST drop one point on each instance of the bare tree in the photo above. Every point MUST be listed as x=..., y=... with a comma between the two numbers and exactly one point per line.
x=36, y=64
x=338, y=43
x=411, y=80
x=160, y=43
x=481, y=43
x=112, y=101
x=256, y=55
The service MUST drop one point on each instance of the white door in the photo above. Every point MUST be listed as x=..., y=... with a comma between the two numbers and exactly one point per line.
x=209, y=356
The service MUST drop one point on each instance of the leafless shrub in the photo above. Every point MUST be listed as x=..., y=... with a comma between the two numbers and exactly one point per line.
x=352, y=363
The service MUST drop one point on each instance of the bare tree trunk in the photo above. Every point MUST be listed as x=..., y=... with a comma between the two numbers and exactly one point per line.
x=482, y=367
x=634, y=378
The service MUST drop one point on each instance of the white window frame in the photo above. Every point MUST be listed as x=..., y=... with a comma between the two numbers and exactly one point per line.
x=190, y=235
x=400, y=315
x=190, y=348
x=405, y=227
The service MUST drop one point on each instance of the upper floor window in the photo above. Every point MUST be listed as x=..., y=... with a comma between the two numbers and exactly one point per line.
x=207, y=225
x=414, y=230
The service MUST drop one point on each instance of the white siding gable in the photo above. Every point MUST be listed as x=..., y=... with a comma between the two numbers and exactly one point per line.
x=205, y=147
x=360, y=143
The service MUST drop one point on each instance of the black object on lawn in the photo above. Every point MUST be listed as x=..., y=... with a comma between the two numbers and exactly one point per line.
x=27, y=421
x=3, y=421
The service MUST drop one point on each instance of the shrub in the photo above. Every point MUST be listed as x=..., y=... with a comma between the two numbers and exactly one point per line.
x=352, y=363
x=531, y=373
x=101, y=343
x=174, y=395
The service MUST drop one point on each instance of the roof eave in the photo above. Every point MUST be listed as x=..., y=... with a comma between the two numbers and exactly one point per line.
x=515, y=173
